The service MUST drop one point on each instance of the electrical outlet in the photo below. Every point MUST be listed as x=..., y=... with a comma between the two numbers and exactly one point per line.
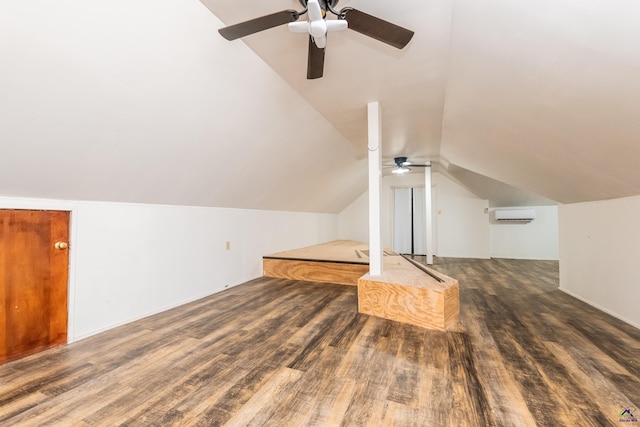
x=227, y=245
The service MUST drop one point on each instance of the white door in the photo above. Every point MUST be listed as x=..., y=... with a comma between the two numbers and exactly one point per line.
x=409, y=221
x=419, y=222
x=402, y=220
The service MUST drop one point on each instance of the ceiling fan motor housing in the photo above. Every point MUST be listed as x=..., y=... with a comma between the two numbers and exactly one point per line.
x=317, y=27
x=323, y=3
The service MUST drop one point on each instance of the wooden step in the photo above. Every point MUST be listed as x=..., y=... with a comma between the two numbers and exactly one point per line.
x=314, y=271
x=404, y=292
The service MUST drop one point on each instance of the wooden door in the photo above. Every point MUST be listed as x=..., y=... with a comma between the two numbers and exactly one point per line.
x=33, y=281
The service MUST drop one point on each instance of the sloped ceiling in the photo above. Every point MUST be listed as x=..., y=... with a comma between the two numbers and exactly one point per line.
x=143, y=101
x=544, y=95
x=408, y=83
x=539, y=95
x=497, y=193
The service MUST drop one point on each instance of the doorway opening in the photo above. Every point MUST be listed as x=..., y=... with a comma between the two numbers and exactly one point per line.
x=409, y=221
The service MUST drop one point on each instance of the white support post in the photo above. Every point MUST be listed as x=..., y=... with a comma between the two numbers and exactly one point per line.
x=375, y=181
x=429, y=213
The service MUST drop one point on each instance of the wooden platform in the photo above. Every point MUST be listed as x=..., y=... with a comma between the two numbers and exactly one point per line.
x=404, y=293
x=342, y=262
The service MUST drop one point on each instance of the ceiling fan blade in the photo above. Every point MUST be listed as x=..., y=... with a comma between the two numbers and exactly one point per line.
x=377, y=28
x=246, y=28
x=315, y=61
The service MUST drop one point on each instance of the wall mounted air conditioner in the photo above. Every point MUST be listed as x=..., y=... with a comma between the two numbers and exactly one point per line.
x=522, y=215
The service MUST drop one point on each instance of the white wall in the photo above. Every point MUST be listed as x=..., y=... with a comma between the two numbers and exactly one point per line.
x=128, y=261
x=599, y=251
x=537, y=239
x=353, y=221
x=460, y=224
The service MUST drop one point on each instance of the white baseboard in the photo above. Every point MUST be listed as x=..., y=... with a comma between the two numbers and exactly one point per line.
x=599, y=307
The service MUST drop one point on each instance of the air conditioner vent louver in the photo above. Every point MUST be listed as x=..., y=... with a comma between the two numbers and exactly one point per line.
x=523, y=215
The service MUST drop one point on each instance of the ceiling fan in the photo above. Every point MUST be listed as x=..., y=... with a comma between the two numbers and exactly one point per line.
x=318, y=27
x=401, y=165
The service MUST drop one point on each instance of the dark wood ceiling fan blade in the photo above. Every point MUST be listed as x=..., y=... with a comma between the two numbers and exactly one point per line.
x=377, y=28
x=252, y=26
x=315, y=61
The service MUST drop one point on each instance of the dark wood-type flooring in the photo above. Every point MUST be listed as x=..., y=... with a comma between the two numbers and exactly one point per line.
x=285, y=353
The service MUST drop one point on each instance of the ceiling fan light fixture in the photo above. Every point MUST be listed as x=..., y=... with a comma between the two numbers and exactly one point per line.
x=400, y=170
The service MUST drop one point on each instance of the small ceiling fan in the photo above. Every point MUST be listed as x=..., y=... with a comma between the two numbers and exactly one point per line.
x=402, y=165
x=318, y=27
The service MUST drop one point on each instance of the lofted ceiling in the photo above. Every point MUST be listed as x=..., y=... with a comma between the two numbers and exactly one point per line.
x=539, y=95
x=409, y=83
x=145, y=102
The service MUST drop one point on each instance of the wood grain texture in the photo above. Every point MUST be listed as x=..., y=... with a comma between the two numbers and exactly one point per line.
x=419, y=306
x=340, y=261
x=342, y=250
x=406, y=294
x=278, y=352
x=33, y=281
x=403, y=292
x=312, y=271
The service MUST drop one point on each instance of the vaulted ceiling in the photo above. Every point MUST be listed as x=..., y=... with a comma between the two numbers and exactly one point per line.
x=143, y=101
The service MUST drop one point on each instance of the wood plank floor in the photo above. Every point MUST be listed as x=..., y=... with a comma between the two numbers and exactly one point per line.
x=285, y=353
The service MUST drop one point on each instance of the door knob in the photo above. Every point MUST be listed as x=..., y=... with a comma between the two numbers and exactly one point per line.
x=61, y=245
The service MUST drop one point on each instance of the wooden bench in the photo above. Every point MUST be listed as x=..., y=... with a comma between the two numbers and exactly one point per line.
x=405, y=292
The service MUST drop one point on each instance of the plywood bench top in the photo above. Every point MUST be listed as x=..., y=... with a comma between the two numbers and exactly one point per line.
x=398, y=271
x=339, y=251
